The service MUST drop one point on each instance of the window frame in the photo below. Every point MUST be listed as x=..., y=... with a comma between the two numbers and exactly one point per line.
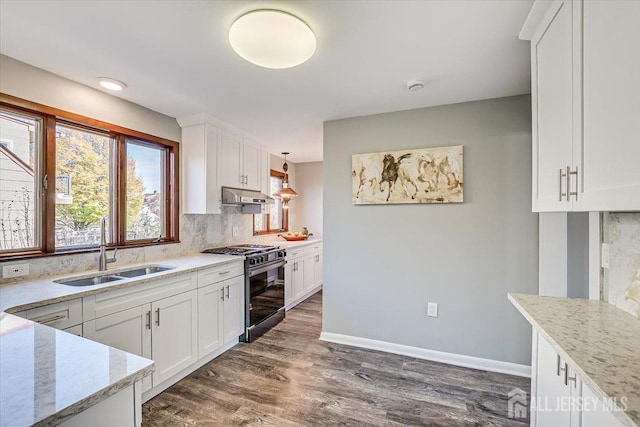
x=50, y=118
x=285, y=213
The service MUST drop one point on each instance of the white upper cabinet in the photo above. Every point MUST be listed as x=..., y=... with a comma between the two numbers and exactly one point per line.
x=200, y=152
x=552, y=99
x=240, y=166
x=611, y=105
x=213, y=157
x=585, y=71
x=251, y=163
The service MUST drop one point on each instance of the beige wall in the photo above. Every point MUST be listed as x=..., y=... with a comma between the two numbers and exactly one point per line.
x=34, y=84
x=309, y=201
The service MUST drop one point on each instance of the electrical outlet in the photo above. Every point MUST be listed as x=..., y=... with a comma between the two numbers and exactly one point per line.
x=432, y=309
x=605, y=255
x=235, y=231
x=15, y=270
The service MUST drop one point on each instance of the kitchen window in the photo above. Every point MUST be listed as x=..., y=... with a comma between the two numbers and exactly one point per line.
x=275, y=219
x=60, y=173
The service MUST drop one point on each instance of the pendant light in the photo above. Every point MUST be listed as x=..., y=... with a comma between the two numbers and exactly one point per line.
x=285, y=193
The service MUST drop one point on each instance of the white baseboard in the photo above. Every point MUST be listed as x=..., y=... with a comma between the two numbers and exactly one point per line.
x=433, y=355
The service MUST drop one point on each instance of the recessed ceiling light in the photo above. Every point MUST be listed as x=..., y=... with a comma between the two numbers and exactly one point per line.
x=272, y=39
x=415, y=85
x=111, y=84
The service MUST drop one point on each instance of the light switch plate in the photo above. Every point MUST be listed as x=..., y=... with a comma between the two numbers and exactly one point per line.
x=432, y=309
x=605, y=255
x=15, y=270
x=235, y=231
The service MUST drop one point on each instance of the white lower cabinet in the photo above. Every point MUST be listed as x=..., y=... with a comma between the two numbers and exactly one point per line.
x=164, y=330
x=210, y=319
x=128, y=330
x=302, y=273
x=174, y=341
x=562, y=399
x=220, y=314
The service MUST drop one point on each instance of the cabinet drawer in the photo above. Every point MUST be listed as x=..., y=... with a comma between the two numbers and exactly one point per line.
x=60, y=315
x=122, y=299
x=294, y=253
x=219, y=273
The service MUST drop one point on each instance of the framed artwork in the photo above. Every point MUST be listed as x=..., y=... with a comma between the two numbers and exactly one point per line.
x=424, y=175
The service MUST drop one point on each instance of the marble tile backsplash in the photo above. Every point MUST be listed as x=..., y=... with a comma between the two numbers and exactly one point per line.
x=197, y=232
x=622, y=281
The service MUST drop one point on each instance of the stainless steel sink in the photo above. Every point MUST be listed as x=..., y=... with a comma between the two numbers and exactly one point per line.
x=88, y=281
x=143, y=271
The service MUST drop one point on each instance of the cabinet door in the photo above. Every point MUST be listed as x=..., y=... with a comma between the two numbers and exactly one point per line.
x=265, y=171
x=210, y=319
x=251, y=164
x=175, y=334
x=309, y=272
x=233, y=308
x=288, y=283
x=298, y=278
x=598, y=414
x=550, y=387
x=128, y=330
x=552, y=107
x=611, y=133
x=231, y=157
x=318, y=269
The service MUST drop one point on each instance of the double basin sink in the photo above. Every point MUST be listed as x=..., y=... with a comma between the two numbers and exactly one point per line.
x=102, y=278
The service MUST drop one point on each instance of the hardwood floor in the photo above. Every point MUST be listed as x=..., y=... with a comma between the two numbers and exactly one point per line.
x=288, y=377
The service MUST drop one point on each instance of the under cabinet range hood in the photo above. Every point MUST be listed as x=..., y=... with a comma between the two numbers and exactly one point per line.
x=250, y=200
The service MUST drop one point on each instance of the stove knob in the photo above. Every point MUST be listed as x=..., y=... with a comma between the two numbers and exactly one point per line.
x=252, y=261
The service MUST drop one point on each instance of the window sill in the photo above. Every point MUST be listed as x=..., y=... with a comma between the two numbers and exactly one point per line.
x=39, y=254
x=264, y=233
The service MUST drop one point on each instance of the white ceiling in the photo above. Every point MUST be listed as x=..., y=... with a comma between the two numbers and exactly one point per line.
x=176, y=59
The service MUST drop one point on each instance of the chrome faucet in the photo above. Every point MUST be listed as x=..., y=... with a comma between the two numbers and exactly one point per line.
x=103, y=260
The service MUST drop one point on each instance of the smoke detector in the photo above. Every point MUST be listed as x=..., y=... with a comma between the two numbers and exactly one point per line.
x=415, y=85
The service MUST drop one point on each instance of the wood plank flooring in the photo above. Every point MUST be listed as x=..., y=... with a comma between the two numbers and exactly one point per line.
x=290, y=378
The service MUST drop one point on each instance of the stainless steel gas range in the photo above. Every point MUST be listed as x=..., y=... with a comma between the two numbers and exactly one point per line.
x=264, y=286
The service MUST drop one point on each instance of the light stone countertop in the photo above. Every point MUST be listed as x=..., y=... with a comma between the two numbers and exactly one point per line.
x=279, y=241
x=599, y=341
x=48, y=375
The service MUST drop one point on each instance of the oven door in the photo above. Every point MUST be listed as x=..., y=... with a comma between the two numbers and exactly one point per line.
x=265, y=292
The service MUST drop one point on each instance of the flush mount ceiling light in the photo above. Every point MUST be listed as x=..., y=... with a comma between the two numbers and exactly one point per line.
x=272, y=39
x=111, y=84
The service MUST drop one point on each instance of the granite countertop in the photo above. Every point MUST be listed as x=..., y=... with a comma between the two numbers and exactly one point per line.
x=48, y=375
x=599, y=341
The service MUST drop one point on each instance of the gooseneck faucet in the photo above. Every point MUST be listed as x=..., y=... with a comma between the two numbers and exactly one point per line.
x=103, y=260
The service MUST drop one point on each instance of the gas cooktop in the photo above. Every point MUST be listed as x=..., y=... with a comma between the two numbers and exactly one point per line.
x=246, y=249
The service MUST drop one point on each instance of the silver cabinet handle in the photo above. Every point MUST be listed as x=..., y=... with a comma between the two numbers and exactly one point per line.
x=227, y=291
x=224, y=272
x=158, y=316
x=222, y=294
x=51, y=319
x=558, y=369
x=569, y=192
x=149, y=319
x=241, y=179
x=562, y=175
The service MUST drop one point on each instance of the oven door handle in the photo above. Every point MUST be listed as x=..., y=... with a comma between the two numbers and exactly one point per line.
x=266, y=268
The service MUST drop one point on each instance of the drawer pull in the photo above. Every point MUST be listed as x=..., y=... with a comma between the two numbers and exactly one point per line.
x=158, y=316
x=227, y=291
x=45, y=320
x=149, y=319
x=224, y=272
